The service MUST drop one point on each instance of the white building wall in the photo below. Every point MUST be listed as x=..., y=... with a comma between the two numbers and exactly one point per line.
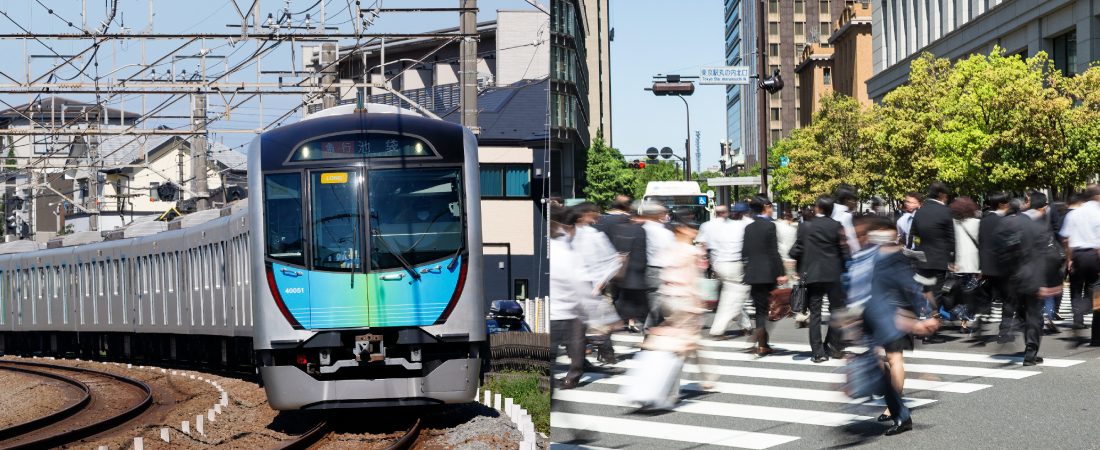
x=523, y=46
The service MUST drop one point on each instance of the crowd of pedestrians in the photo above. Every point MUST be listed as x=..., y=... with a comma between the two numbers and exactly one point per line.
x=885, y=278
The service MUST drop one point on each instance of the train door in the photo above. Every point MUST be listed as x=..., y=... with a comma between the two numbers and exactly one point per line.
x=218, y=288
x=103, y=303
x=338, y=287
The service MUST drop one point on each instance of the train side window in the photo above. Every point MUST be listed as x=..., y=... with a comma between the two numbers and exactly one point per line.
x=51, y=291
x=3, y=295
x=137, y=290
x=283, y=217
x=35, y=295
x=125, y=288
x=156, y=273
x=81, y=287
x=219, y=265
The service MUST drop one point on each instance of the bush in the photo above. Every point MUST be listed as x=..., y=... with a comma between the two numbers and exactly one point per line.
x=522, y=388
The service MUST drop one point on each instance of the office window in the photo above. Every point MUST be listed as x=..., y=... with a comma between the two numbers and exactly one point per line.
x=800, y=28
x=827, y=76
x=1065, y=53
x=824, y=8
x=772, y=69
x=775, y=136
x=798, y=92
x=826, y=30
x=799, y=7
x=519, y=288
x=773, y=7
x=773, y=49
x=775, y=113
x=798, y=49
x=776, y=95
x=773, y=28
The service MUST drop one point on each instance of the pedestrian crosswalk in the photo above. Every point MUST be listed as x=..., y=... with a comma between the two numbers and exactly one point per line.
x=759, y=403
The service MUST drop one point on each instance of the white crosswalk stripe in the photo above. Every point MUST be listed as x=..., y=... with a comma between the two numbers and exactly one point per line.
x=758, y=402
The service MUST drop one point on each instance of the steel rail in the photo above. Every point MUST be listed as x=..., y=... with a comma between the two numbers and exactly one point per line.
x=48, y=419
x=72, y=435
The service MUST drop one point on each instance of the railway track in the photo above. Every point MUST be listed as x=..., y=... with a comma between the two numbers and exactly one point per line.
x=110, y=401
x=318, y=436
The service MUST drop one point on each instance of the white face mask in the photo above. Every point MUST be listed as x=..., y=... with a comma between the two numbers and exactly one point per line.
x=880, y=237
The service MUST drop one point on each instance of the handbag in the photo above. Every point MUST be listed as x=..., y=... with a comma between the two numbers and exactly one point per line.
x=797, y=298
x=779, y=304
x=863, y=376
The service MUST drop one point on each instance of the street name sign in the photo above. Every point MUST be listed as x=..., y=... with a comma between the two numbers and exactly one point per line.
x=724, y=75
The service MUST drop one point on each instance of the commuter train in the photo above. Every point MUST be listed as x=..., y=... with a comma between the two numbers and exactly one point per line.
x=351, y=277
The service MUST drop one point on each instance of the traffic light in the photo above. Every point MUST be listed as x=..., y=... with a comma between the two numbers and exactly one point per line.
x=669, y=88
x=773, y=83
x=635, y=164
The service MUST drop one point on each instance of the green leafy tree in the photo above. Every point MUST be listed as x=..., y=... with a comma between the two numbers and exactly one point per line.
x=655, y=171
x=607, y=174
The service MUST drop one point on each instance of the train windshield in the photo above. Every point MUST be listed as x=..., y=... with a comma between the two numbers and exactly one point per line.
x=414, y=213
x=337, y=235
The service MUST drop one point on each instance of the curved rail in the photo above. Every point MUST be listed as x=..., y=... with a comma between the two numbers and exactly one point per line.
x=48, y=419
x=307, y=439
x=62, y=437
x=408, y=439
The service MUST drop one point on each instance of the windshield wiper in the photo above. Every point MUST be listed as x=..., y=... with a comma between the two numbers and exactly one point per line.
x=393, y=252
x=454, y=258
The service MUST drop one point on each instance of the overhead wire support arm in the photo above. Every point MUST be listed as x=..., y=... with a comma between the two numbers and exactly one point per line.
x=261, y=37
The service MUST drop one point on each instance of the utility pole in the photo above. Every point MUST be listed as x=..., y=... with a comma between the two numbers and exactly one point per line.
x=762, y=101
x=468, y=65
x=198, y=152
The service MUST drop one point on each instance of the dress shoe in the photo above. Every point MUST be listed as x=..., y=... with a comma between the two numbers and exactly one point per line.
x=1080, y=327
x=820, y=359
x=1006, y=339
x=834, y=353
x=568, y=384
x=933, y=339
x=719, y=337
x=899, y=428
x=884, y=417
x=765, y=351
x=1053, y=327
x=1058, y=316
x=1032, y=360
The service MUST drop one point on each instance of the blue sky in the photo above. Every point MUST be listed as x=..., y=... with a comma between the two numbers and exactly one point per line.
x=199, y=16
x=659, y=37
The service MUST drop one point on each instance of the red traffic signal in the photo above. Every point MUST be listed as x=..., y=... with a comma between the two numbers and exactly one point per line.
x=635, y=164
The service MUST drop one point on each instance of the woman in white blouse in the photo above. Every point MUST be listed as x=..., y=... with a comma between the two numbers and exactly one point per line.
x=966, y=269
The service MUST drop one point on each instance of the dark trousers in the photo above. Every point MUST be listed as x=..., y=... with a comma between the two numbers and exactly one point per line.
x=569, y=333
x=760, y=294
x=997, y=288
x=1086, y=270
x=816, y=293
x=1029, y=307
x=941, y=298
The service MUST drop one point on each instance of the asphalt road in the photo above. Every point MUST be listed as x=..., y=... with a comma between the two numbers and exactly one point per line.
x=962, y=396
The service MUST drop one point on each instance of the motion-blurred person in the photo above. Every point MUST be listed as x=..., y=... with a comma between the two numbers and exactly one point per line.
x=910, y=205
x=786, y=231
x=657, y=238
x=601, y=264
x=933, y=233
x=878, y=207
x=681, y=306
x=763, y=267
x=725, y=241
x=1081, y=229
x=894, y=309
x=842, y=212
x=967, y=267
x=1020, y=248
x=628, y=237
x=995, y=281
x=821, y=250
x=567, y=291
x=1051, y=255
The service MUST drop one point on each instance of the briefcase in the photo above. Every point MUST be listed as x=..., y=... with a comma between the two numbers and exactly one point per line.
x=779, y=305
x=798, y=298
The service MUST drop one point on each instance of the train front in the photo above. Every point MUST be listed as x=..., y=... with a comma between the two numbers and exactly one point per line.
x=367, y=283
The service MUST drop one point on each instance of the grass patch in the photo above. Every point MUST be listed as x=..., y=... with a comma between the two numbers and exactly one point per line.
x=522, y=388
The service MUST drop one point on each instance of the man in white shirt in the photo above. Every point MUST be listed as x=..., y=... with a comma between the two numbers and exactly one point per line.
x=725, y=244
x=912, y=203
x=657, y=238
x=845, y=202
x=1081, y=229
x=566, y=286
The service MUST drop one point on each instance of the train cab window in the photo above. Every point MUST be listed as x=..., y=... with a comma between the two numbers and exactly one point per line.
x=337, y=234
x=415, y=213
x=283, y=209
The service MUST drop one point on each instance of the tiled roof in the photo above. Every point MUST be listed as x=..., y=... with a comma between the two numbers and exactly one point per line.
x=513, y=113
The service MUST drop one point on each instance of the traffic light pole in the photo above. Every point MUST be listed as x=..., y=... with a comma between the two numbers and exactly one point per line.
x=762, y=122
x=687, y=142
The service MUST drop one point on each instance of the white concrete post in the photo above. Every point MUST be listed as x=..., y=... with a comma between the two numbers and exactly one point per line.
x=198, y=424
x=138, y=444
x=164, y=434
x=186, y=427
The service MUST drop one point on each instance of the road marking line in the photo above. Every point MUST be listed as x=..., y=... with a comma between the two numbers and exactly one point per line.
x=668, y=431
x=800, y=416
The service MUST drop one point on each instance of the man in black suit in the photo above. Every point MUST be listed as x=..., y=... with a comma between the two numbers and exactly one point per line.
x=763, y=266
x=628, y=237
x=994, y=280
x=933, y=232
x=1021, y=245
x=820, y=250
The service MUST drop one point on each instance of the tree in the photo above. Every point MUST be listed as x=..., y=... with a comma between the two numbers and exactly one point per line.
x=702, y=179
x=656, y=170
x=607, y=174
